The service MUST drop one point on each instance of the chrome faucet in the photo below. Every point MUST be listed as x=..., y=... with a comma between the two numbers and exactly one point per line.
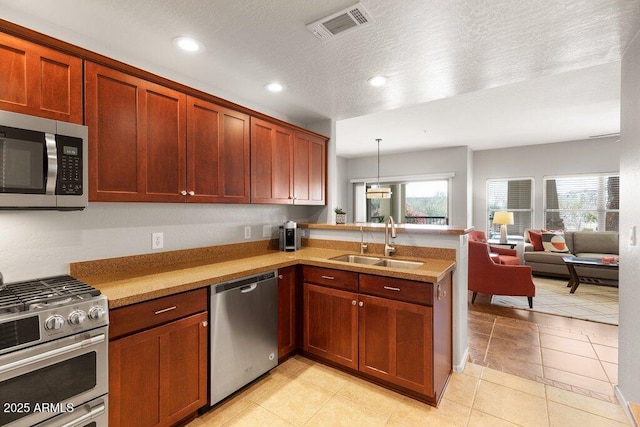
x=363, y=245
x=389, y=223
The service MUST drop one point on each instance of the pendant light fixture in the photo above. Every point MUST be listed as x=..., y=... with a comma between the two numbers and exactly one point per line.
x=375, y=191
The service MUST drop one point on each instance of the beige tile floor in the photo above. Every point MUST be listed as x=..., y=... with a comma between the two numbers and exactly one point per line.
x=301, y=392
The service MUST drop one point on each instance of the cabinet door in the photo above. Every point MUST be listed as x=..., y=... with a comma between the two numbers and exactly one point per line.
x=287, y=311
x=217, y=153
x=184, y=376
x=271, y=163
x=331, y=324
x=396, y=342
x=137, y=138
x=159, y=376
x=309, y=169
x=39, y=81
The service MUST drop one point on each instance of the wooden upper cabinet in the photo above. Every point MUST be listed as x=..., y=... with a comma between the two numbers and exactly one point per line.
x=271, y=163
x=39, y=81
x=137, y=138
x=309, y=169
x=218, y=168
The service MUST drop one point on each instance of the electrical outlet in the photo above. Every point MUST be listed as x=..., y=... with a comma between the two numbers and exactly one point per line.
x=266, y=230
x=247, y=232
x=157, y=240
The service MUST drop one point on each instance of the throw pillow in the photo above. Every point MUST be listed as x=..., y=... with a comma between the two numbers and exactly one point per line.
x=536, y=240
x=554, y=242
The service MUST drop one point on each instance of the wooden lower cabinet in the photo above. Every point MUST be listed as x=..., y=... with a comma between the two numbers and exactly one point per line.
x=288, y=311
x=394, y=330
x=395, y=342
x=331, y=324
x=159, y=376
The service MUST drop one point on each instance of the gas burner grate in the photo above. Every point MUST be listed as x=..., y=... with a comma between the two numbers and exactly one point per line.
x=9, y=302
x=23, y=296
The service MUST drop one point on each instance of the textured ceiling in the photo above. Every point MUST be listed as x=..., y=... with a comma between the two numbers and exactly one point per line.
x=483, y=73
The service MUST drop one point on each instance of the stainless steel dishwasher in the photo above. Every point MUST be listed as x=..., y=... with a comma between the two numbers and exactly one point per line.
x=244, y=332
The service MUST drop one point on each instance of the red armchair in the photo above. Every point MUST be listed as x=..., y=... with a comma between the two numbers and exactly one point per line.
x=499, y=255
x=485, y=276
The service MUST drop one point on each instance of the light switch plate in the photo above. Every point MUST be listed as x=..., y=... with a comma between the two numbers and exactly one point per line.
x=266, y=230
x=247, y=232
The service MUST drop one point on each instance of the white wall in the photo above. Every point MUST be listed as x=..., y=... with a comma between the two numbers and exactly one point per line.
x=43, y=243
x=538, y=161
x=426, y=162
x=629, y=350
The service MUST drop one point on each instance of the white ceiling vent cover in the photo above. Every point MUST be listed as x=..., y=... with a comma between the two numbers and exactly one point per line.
x=340, y=22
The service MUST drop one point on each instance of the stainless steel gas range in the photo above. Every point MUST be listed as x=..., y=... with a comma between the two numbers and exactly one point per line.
x=53, y=354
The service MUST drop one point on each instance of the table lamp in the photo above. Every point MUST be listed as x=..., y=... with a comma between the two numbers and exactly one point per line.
x=504, y=219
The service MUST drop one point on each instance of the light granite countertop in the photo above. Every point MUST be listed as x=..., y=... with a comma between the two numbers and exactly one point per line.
x=130, y=287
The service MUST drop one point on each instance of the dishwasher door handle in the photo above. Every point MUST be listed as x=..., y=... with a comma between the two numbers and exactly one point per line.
x=247, y=289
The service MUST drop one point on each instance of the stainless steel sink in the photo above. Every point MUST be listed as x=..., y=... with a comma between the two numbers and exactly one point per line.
x=380, y=262
x=398, y=263
x=358, y=259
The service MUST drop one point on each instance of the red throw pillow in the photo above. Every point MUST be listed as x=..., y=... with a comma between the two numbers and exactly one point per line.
x=536, y=240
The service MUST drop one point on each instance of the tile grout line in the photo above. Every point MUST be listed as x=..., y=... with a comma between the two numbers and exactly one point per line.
x=486, y=352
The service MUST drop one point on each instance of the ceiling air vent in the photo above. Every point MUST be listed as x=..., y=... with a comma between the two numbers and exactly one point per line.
x=340, y=22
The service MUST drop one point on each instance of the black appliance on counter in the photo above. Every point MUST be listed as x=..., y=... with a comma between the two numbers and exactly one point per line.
x=290, y=236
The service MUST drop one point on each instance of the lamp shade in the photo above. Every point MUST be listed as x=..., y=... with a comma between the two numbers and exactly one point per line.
x=378, y=193
x=503, y=218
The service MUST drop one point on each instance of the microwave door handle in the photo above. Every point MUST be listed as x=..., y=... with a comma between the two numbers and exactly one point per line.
x=52, y=163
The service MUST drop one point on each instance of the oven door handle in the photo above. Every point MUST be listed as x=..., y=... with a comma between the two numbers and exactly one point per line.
x=86, y=417
x=52, y=353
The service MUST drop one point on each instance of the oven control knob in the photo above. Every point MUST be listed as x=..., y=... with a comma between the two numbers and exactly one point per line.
x=96, y=313
x=77, y=317
x=54, y=322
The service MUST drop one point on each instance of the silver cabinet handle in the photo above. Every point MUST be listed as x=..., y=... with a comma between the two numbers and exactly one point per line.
x=353, y=302
x=361, y=304
x=391, y=288
x=183, y=192
x=192, y=193
x=164, y=310
x=328, y=277
x=205, y=324
x=280, y=276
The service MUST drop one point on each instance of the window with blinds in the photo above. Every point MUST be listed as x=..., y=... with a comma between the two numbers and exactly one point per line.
x=512, y=195
x=586, y=202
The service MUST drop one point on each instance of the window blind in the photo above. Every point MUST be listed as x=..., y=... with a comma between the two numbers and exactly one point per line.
x=586, y=202
x=512, y=195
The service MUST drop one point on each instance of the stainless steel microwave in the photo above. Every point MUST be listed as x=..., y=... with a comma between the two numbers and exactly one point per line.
x=43, y=163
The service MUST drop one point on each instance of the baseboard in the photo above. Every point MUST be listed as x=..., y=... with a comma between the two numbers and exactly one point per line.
x=625, y=406
x=459, y=368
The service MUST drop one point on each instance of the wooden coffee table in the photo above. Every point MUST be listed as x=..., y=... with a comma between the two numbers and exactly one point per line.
x=575, y=279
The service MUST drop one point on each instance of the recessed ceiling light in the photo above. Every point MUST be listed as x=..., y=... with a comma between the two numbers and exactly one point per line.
x=377, y=80
x=188, y=44
x=274, y=87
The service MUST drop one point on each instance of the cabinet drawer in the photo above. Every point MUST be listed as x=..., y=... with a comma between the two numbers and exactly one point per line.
x=330, y=277
x=137, y=317
x=398, y=289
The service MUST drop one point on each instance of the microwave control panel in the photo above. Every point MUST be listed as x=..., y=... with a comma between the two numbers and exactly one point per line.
x=70, y=168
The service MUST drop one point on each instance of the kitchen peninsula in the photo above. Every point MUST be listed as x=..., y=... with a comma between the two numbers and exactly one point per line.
x=419, y=303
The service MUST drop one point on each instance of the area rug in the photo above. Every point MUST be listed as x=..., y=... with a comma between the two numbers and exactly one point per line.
x=589, y=302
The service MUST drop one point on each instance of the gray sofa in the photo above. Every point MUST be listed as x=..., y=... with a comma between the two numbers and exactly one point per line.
x=587, y=244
